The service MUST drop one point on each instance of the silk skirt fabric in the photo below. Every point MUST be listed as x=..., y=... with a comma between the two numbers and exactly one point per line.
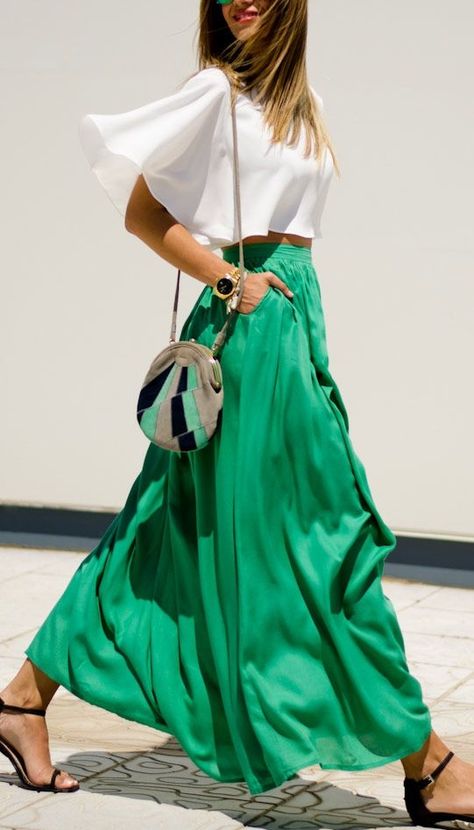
x=236, y=600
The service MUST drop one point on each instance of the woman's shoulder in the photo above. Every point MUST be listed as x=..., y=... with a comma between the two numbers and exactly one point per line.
x=214, y=79
x=211, y=77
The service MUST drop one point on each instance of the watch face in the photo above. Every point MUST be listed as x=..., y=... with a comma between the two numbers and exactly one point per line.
x=224, y=285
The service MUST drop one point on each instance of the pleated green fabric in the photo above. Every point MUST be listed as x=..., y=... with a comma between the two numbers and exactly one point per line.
x=236, y=600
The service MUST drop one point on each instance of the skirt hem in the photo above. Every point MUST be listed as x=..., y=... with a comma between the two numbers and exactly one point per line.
x=264, y=785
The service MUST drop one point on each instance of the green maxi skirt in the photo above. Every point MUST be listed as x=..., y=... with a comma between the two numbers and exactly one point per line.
x=236, y=600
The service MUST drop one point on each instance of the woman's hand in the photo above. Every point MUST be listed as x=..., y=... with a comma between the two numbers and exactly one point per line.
x=255, y=286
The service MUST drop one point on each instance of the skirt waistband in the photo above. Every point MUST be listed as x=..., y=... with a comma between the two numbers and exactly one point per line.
x=265, y=250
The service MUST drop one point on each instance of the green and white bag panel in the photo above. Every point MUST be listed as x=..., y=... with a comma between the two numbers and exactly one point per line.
x=178, y=407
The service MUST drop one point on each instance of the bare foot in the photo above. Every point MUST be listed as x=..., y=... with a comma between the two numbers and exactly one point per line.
x=29, y=735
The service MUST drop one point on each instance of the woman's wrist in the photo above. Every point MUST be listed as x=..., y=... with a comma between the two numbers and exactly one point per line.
x=225, y=287
x=223, y=269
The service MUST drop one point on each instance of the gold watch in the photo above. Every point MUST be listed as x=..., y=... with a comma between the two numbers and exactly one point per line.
x=227, y=285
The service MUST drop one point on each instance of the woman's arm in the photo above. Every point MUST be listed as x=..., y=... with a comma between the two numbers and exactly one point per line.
x=150, y=221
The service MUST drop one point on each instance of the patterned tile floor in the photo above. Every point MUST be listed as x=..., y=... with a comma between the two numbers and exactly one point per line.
x=135, y=777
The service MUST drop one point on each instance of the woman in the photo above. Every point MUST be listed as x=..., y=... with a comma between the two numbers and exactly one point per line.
x=236, y=600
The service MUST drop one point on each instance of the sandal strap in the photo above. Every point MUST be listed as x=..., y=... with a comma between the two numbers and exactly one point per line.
x=429, y=779
x=55, y=774
x=6, y=707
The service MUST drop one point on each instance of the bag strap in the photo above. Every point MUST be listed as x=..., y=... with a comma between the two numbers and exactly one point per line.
x=220, y=337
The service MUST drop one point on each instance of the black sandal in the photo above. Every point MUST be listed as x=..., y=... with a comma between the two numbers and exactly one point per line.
x=18, y=761
x=416, y=807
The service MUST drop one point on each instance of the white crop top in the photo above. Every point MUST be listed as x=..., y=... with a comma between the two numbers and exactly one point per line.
x=182, y=144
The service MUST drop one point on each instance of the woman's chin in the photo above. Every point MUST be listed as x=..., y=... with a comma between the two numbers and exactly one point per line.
x=245, y=32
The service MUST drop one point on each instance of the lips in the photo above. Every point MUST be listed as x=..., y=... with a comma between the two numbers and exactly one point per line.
x=241, y=17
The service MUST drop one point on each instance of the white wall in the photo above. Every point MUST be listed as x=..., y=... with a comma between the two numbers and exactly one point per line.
x=85, y=305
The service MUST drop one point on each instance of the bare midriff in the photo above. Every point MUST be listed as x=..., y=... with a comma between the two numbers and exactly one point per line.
x=276, y=236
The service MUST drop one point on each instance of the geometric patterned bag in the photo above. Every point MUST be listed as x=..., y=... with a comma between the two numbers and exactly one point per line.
x=181, y=399
x=182, y=396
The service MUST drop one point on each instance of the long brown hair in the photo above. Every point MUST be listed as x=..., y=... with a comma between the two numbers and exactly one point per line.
x=271, y=64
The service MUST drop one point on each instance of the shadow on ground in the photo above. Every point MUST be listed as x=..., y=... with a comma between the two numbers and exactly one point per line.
x=167, y=776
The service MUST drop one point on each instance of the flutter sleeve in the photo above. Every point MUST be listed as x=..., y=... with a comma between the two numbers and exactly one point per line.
x=176, y=142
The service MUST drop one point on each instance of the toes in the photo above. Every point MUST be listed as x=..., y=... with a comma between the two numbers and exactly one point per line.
x=65, y=780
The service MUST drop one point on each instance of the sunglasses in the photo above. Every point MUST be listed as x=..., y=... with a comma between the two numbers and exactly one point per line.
x=223, y=2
